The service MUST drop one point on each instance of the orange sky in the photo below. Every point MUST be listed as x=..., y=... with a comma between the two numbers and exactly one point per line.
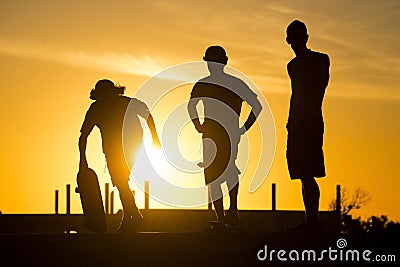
x=53, y=52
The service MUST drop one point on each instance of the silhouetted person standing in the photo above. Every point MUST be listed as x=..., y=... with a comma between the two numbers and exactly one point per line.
x=309, y=75
x=222, y=96
x=107, y=113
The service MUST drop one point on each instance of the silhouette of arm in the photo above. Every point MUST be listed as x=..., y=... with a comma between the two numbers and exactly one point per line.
x=143, y=110
x=82, y=150
x=251, y=99
x=86, y=129
x=320, y=71
x=325, y=70
x=255, y=111
x=152, y=127
x=194, y=116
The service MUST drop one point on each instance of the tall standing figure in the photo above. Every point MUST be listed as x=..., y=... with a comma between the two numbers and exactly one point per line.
x=108, y=113
x=309, y=75
x=222, y=96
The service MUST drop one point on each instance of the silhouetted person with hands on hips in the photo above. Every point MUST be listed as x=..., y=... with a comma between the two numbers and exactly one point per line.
x=222, y=96
x=309, y=75
x=108, y=113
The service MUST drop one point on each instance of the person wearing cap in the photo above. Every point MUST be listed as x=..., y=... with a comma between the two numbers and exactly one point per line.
x=309, y=75
x=108, y=113
x=222, y=96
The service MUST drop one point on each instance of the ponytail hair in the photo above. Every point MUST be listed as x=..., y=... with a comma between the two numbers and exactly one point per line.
x=105, y=89
x=119, y=89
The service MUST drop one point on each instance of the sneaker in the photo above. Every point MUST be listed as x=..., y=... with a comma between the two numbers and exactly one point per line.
x=130, y=224
x=216, y=226
x=232, y=217
x=305, y=227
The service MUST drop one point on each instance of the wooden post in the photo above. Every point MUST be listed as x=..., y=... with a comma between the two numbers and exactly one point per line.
x=146, y=195
x=209, y=207
x=56, y=202
x=112, y=202
x=68, y=199
x=107, y=198
x=273, y=197
x=338, y=196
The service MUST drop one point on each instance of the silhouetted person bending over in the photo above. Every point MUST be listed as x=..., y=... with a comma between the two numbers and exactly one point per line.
x=107, y=113
x=222, y=96
x=309, y=75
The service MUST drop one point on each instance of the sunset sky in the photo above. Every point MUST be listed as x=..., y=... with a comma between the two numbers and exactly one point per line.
x=53, y=52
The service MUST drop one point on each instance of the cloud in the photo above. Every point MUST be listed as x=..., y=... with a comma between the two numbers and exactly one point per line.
x=275, y=7
x=361, y=40
x=117, y=62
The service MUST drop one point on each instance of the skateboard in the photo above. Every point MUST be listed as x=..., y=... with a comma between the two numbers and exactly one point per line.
x=91, y=200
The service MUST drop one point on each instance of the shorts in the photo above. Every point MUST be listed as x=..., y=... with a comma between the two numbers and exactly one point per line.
x=219, y=155
x=120, y=166
x=304, y=154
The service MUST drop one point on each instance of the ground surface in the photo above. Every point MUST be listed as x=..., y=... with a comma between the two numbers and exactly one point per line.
x=168, y=249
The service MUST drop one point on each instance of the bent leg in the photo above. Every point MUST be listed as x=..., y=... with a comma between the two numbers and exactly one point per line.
x=128, y=202
x=216, y=197
x=233, y=187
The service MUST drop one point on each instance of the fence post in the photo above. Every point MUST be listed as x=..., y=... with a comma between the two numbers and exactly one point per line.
x=107, y=198
x=112, y=202
x=56, y=202
x=146, y=195
x=68, y=199
x=338, y=196
x=273, y=197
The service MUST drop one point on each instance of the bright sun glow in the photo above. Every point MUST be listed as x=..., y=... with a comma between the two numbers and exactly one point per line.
x=157, y=158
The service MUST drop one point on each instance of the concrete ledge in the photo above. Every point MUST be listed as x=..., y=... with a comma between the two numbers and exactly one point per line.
x=163, y=220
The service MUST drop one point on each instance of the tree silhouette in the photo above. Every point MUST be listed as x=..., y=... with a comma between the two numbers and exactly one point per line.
x=375, y=227
x=351, y=201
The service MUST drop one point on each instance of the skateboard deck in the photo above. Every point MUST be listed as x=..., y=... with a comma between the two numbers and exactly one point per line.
x=91, y=200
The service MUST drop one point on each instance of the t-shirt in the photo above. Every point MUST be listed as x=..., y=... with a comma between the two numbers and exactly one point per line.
x=109, y=117
x=222, y=97
x=309, y=75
